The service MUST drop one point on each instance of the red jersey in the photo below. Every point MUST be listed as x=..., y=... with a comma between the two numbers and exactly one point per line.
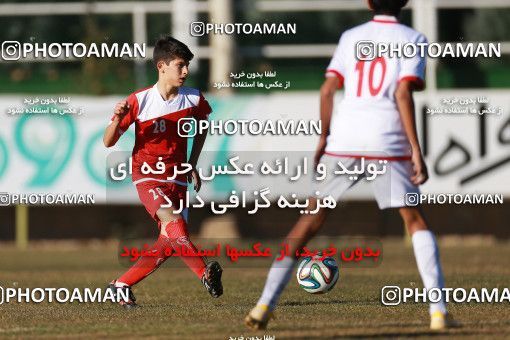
x=156, y=130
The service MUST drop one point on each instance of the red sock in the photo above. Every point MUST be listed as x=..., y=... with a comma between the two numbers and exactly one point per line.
x=177, y=237
x=177, y=231
x=146, y=265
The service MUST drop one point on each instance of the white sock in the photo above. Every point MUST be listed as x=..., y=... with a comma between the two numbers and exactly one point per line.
x=119, y=284
x=278, y=277
x=429, y=266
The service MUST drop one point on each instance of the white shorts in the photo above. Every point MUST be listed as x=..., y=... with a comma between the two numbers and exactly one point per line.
x=390, y=189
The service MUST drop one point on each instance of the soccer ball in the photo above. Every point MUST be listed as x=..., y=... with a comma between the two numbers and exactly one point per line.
x=317, y=276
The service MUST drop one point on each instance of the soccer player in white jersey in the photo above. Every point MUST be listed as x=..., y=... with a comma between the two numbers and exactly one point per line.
x=156, y=111
x=376, y=121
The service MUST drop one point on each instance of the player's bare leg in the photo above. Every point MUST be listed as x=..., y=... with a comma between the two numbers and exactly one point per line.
x=281, y=271
x=305, y=228
x=426, y=253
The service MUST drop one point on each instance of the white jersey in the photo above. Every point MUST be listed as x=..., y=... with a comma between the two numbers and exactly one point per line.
x=367, y=120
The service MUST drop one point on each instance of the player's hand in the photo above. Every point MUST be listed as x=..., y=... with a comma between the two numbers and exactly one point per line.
x=321, y=147
x=121, y=109
x=193, y=177
x=421, y=174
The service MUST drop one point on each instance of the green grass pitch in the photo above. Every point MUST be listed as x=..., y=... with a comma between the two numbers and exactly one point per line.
x=175, y=305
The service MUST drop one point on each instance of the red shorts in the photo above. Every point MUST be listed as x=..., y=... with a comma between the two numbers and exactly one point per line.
x=152, y=195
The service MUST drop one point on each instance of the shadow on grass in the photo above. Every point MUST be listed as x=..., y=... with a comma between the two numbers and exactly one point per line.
x=329, y=302
x=393, y=334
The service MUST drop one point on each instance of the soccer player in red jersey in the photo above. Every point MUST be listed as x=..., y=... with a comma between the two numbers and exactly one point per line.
x=156, y=111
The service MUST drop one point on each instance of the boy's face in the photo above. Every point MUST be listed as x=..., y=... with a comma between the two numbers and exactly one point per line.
x=173, y=73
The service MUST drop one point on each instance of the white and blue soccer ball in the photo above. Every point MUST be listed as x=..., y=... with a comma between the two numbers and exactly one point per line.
x=316, y=275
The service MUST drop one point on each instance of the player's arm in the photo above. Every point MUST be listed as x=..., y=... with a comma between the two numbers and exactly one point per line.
x=405, y=104
x=198, y=144
x=328, y=90
x=112, y=132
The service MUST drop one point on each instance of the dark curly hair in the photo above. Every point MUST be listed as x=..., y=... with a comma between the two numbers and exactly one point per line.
x=391, y=7
x=168, y=48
